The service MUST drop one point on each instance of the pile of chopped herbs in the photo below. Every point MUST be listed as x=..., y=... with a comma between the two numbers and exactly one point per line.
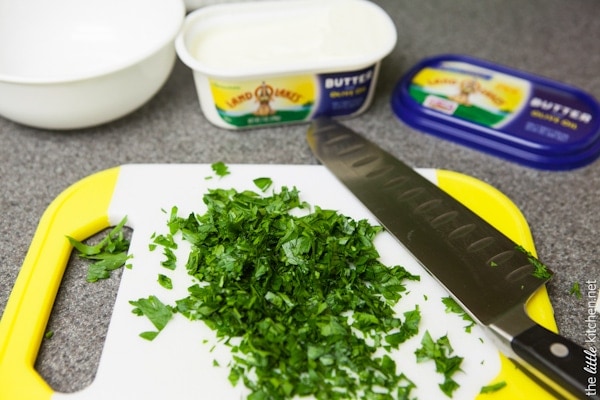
x=305, y=295
x=303, y=292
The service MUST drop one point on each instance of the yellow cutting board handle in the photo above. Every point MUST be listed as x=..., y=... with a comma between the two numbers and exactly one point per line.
x=80, y=211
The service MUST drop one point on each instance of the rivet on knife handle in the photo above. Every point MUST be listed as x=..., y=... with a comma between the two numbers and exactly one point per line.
x=485, y=271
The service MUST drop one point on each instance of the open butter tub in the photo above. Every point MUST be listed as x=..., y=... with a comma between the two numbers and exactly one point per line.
x=274, y=62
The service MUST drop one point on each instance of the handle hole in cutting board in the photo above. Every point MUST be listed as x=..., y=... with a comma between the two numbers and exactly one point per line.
x=68, y=361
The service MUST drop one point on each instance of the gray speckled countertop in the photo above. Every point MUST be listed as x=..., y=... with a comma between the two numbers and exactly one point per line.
x=558, y=39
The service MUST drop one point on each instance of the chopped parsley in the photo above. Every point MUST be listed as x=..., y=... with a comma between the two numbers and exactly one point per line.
x=440, y=351
x=493, y=388
x=156, y=311
x=108, y=255
x=306, y=296
x=168, y=245
x=165, y=281
x=540, y=270
x=220, y=169
x=575, y=290
x=453, y=307
x=263, y=183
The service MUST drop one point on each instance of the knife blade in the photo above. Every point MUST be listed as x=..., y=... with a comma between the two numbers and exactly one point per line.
x=487, y=273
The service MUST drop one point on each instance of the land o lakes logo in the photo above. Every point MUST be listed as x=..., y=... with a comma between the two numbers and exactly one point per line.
x=467, y=88
x=265, y=95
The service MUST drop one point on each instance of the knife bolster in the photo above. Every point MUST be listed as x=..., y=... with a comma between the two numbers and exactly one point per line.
x=510, y=325
x=552, y=360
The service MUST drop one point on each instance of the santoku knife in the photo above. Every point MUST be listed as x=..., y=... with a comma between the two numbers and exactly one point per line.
x=489, y=275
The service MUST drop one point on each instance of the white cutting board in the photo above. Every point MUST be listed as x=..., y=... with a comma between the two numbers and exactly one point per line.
x=178, y=364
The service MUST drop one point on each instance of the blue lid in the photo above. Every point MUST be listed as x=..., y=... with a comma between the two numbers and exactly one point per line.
x=509, y=113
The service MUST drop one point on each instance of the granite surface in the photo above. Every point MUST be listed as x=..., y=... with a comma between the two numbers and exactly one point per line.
x=558, y=39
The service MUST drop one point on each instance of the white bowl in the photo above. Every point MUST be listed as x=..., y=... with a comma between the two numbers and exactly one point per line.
x=67, y=64
x=192, y=5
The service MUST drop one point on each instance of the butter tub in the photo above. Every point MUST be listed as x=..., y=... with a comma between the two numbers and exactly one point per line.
x=513, y=114
x=277, y=62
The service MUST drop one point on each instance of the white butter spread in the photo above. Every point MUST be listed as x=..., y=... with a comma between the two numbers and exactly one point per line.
x=275, y=62
x=293, y=35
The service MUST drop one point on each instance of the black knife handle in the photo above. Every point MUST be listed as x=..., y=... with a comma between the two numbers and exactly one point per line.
x=565, y=363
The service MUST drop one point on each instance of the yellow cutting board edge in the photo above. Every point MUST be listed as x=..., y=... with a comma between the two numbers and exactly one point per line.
x=82, y=210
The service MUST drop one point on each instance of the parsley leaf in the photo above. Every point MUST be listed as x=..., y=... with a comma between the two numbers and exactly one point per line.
x=156, y=311
x=165, y=281
x=105, y=263
x=440, y=352
x=540, y=270
x=453, y=307
x=108, y=255
x=263, y=183
x=575, y=290
x=220, y=168
x=493, y=388
x=408, y=329
x=405, y=386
